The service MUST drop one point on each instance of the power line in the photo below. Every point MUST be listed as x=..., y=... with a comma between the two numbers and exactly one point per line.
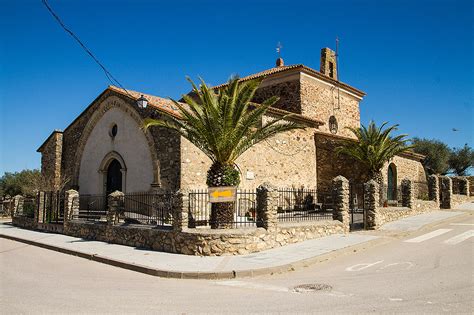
x=109, y=75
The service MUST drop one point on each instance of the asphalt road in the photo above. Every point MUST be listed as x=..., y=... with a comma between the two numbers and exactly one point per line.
x=429, y=271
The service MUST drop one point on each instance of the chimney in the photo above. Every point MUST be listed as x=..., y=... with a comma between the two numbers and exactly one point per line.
x=279, y=62
x=328, y=63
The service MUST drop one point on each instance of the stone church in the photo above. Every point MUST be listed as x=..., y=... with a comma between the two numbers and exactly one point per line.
x=104, y=148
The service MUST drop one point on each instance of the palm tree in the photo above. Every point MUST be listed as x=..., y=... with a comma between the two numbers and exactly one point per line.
x=374, y=147
x=223, y=124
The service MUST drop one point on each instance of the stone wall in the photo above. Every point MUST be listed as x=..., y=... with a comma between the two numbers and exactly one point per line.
x=330, y=165
x=389, y=214
x=471, y=185
x=51, y=158
x=457, y=200
x=24, y=222
x=204, y=242
x=285, y=160
x=406, y=167
x=287, y=91
x=319, y=100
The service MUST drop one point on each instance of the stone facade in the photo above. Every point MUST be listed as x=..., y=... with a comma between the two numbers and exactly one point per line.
x=51, y=158
x=285, y=160
x=330, y=165
x=287, y=91
x=321, y=101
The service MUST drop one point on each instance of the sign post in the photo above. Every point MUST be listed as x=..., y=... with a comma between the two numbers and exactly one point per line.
x=222, y=194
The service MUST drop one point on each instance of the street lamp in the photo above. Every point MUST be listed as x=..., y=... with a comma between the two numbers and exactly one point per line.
x=142, y=102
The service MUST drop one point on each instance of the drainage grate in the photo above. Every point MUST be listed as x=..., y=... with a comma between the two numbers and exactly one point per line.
x=313, y=287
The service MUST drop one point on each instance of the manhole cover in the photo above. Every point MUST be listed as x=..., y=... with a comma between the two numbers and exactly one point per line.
x=313, y=287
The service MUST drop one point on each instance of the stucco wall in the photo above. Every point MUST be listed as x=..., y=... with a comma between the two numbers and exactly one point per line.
x=285, y=160
x=130, y=143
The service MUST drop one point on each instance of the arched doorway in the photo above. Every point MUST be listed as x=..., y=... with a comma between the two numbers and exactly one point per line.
x=114, y=177
x=392, y=182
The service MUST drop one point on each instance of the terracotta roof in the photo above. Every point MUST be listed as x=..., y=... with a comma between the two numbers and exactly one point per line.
x=161, y=104
x=167, y=106
x=302, y=68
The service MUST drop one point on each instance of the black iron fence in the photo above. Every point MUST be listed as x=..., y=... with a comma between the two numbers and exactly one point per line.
x=301, y=204
x=91, y=208
x=6, y=207
x=148, y=208
x=29, y=207
x=51, y=205
x=245, y=208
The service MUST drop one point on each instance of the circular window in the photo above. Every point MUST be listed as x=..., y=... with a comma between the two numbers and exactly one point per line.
x=333, y=124
x=113, y=130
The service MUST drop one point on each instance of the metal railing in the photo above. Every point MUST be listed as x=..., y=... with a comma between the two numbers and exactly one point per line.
x=51, y=204
x=148, y=208
x=92, y=208
x=300, y=204
x=200, y=208
x=29, y=207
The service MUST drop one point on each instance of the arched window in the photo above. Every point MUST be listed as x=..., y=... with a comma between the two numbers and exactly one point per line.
x=392, y=182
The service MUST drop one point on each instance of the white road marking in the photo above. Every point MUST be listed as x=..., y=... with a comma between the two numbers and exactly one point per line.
x=363, y=266
x=462, y=224
x=427, y=236
x=459, y=238
x=395, y=299
x=250, y=285
x=408, y=265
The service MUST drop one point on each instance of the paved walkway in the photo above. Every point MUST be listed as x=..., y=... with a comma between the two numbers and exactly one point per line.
x=196, y=267
x=415, y=222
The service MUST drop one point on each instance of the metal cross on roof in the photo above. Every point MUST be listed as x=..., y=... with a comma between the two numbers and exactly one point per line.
x=278, y=49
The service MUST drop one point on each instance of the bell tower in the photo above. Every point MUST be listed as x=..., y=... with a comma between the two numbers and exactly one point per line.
x=328, y=63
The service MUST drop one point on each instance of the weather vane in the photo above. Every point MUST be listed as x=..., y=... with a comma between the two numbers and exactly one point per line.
x=278, y=49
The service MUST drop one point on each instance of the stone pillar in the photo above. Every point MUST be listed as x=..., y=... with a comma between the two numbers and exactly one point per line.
x=116, y=209
x=446, y=184
x=341, y=201
x=408, y=193
x=71, y=205
x=433, y=188
x=371, y=202
x=464, y=183
x=267, y=205
x=180, y=210
x=18, y=205
x=39, y=213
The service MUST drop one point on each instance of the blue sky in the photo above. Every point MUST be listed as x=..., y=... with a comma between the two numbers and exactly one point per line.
x=414, y=59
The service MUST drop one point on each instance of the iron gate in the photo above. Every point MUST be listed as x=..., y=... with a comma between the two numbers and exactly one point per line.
x=356, y=206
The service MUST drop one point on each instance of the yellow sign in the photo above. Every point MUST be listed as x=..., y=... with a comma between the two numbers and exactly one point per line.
x=222, y=194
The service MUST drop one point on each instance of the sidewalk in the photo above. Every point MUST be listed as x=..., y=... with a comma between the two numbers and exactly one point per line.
x=162, y=264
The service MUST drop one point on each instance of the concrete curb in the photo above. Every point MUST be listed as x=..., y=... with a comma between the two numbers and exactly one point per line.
x=219, y=275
